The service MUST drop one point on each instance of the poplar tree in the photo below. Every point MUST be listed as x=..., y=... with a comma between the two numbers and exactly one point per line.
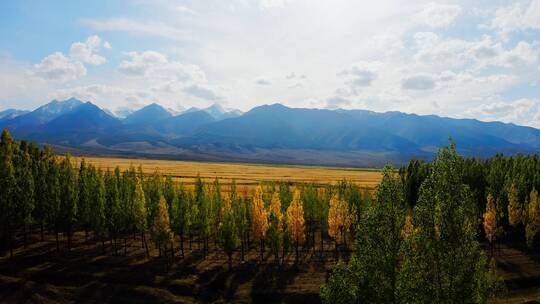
x=182, y=216
x=25, y=195
x=8, y=191
x=99, y=221
x=68, y=198
x=533, y=219
x=112, y=208
x=337, y=218
x=515, y=207
x=259, y=218
x=295, y=221
x=161, y=230
x=84, y=206
x=373, y=270
x=275, y=230
x=228, y=230
x=490, y=220
x=140, y=213
x=241, y=212
x=443, y=261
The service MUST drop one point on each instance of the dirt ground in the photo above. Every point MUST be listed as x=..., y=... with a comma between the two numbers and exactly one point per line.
x=87, y=274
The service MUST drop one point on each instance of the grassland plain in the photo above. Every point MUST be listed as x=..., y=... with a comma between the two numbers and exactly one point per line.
x=245, y=175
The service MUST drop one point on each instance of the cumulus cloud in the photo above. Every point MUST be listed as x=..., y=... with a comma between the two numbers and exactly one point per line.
x=438, y=15
x=155, y=65
x=522, y=111
x=337, y=102
x=87, y=51
x=58, y=67
x=517, y=17
x=418, y=82
x=202, y=92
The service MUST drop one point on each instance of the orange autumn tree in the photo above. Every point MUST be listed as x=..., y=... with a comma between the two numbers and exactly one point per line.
x=161, y=232
x=259, y=218
x=490, y=220
x=295, y=220
x=337, y=219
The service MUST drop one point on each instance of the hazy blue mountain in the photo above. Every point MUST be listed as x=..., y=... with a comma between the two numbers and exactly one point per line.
x=11, y=113
x=270, y=133
x=31, y=121
x=277, y=126
x=83, y=123
x=147, y=115
x=183, y=124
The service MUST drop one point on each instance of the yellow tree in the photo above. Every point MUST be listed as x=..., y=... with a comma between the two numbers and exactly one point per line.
x=515, y=208
x=228, y=229
x=490, y=220
x=259, y=218
x=533, y=219
x=295, y=220
x=337, y=219
x=161, y=230
x=275, y=230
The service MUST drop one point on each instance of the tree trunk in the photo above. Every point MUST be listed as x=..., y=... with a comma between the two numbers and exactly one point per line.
x=229, y=254
x=142, y=239
x=182, y=245
x=262, y=249
x=322, y=244
x=242, y=248
x=24, y=235
x=296, y=258
x=125, y=245
x=41, y=230
x=57, y=242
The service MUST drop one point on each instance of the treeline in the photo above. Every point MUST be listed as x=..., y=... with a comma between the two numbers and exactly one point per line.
x=504, y=191
x=40, y=190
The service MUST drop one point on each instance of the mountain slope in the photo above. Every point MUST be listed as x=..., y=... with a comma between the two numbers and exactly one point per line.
x=147, y=115
x=27, y=123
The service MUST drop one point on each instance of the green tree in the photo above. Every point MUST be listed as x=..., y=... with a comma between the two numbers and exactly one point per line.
x=228, y=230
x=442, y=260
x=515, y=207
x=68, y=198
x=374, y=268
x=25, y=195
x=8, y=191
x=533, y=219
x=140, y=213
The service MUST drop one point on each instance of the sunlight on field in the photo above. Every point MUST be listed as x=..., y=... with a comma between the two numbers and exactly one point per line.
x=245, y=174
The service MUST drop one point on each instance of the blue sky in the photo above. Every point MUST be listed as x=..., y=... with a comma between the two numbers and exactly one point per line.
x=475, y=59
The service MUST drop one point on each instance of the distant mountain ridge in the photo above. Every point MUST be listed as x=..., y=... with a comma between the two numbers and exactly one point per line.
x=268, y=133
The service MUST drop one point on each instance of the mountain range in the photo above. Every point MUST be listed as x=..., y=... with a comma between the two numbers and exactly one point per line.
x=268, y=133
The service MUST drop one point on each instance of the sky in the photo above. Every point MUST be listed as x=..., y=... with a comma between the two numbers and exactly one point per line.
x=465, y=59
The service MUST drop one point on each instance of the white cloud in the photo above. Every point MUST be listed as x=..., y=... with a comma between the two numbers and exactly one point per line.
x=107, y=45
x=418, y=82
x=155, y=65
x=159, y=29
x=58, y=67
x=269, y=4
x=521, y=111
x=517, y=17
x=87, y=51
x=438, y=15
x=202, y=92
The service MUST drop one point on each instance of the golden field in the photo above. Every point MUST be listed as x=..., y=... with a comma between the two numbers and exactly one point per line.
x=245, y=174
